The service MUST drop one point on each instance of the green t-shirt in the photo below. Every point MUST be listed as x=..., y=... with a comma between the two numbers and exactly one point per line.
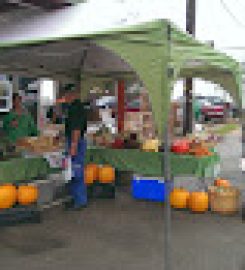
x=76, y=118
x=26, y=126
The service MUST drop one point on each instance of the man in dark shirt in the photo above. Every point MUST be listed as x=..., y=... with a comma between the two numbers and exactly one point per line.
x=75, y=127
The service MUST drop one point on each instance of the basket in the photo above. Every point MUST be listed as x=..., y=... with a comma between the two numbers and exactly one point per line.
x=224, y=200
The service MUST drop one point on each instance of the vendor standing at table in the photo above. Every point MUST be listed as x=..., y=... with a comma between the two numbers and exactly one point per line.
x=75, y=127
x=18, y=123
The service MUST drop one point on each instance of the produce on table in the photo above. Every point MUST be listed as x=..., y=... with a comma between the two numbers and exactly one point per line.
x=151, y=145
x=8, y=195
x=199, y=148
x=106, y=174
x=118, y=143
x=198, y=202
x=219, y=182
x=91, y=173
x=181, y=146
x=199, y=152
x=132, y=141
x=39, y=145
x=27, y=194
x=179, y=198
x=103, y=137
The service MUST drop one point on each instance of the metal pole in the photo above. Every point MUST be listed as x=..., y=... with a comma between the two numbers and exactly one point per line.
x=167, y=210
x=167, y=178
x=190, y=28
x=243, y=148
x=15, y=83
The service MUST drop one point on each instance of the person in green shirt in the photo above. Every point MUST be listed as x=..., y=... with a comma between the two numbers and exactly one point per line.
x=17, y=123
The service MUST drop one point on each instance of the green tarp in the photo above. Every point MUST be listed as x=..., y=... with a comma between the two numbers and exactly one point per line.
x=160, y=60
x=19, y=169
x=150, y=163
x=143, y=163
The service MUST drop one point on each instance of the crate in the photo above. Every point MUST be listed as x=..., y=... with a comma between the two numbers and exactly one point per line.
x=19, y=215
x=225, y=201
x=148, y=188
x=101, y=191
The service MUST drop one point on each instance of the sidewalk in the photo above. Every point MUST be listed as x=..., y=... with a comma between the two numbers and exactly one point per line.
x=230, y=151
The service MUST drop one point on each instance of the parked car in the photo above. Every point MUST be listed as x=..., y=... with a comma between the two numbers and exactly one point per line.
x=213, y=108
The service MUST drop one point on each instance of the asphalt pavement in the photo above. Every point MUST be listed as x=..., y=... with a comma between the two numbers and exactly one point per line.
x=127, y=234
x=230, y=151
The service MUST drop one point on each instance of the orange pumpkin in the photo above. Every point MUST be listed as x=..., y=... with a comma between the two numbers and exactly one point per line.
x=106, y=174
x=27, y=194
x=179, y=198
x=90, y=173
x=222, y=183
x=8, y=195
x=198, y=202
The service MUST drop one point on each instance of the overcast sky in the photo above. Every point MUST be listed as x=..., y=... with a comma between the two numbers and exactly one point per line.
x=213, y=22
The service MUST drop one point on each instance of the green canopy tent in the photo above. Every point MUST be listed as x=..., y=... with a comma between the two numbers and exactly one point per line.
x=159, y=58
x=58, y=44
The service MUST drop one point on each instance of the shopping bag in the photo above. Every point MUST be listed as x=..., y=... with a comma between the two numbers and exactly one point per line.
x=67, y=167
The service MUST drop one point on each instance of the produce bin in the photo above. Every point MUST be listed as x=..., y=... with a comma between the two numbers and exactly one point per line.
x=224, y=200
x=148, y=188
x=20, y=214
x=101, y=191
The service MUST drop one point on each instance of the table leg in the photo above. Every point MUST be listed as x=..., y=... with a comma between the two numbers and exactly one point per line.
x=202, y=182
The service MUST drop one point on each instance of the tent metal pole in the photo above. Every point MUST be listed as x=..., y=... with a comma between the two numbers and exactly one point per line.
x=167, y=171
x=167, y=208
x=243, y=152
x=190, y=28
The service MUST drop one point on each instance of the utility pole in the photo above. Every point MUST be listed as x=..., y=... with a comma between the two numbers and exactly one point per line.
x=190, y=28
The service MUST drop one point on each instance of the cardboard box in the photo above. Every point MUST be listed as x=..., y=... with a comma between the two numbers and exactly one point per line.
x=94, y=116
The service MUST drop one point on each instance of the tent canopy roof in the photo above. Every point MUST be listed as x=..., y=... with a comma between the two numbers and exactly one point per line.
x=108, y=41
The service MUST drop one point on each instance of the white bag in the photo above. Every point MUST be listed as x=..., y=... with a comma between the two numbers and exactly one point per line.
x=68, y=169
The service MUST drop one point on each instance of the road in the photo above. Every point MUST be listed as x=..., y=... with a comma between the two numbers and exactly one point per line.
x=125, y=234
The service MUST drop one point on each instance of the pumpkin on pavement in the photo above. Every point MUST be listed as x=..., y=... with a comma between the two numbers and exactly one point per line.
x=27, y=194
x=8, y=196
x=198, y=201
x=179, y=198
x=106, y=174
x=91, y=173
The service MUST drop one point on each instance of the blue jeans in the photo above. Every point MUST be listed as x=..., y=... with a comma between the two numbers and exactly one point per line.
x=77, y=186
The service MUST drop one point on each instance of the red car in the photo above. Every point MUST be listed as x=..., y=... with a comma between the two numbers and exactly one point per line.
x=213, y=109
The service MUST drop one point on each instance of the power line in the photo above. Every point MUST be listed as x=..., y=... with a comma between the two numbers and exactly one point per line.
x=227, y=9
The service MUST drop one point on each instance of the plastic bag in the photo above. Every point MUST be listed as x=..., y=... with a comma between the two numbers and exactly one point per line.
x=67, y=167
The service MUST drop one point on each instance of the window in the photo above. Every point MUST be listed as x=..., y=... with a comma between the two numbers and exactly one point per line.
x=5, y=96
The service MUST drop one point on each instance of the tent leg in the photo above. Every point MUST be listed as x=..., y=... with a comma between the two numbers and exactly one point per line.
x=167, y=208
x=243, y=156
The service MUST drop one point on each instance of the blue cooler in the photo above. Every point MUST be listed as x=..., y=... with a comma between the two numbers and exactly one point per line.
x=148, y=188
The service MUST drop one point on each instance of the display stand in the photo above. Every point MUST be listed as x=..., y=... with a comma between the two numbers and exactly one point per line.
x=20, y=214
